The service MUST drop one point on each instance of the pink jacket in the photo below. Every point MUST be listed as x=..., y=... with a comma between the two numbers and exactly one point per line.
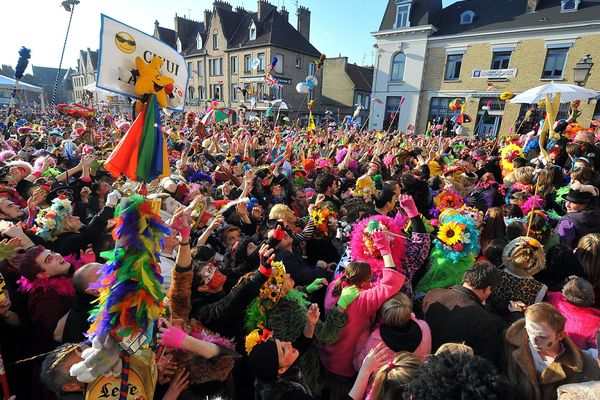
x=363, y=348
x=337, y=357
x=582, y=322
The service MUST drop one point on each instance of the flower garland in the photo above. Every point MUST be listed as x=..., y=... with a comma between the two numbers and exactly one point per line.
x=325, y=219
x=272, y=290
x=447, y=199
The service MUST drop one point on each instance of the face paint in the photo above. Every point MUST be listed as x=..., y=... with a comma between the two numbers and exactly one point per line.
x=541, y=335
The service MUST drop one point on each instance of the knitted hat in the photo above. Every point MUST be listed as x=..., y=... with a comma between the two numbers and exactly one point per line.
x=262, y=354
x=579, y=292
x=531, y=263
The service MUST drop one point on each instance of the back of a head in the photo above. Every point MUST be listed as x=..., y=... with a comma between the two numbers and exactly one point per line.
x=451, y=376
x=493, y=252
x=383, y=196
x=515, y=229
x=588, y=255
x=579, y=292
x=481, y=275
x=455, y=348
x=85, y=275
x=323, y=181
x=281, y=211
x=396, y=310
x=391, y=379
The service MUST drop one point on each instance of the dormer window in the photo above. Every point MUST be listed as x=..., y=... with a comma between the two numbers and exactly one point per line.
x=467, y=17
x=252, y=31
x=569, y=5
x=178, y=45
x=403, y=13
x=199, y=41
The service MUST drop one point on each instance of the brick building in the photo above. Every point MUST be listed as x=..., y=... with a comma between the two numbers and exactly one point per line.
x=220, y=52
x=476, y=50
x=346, y=85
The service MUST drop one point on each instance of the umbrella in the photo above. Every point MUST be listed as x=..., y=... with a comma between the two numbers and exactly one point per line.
x=552, y=94
x=461, y=118
x=280, y=104
x=215, y=115
x=567, y=92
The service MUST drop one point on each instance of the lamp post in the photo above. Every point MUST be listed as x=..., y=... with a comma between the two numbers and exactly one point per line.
x=582, y=69
x=69, y=6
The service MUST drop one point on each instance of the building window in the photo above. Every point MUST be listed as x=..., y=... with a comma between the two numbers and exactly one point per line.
x=215, y=41
x=191, y=91
x=439, y=109
x=200, y=69
x=298, y=62
x=279, y=66
x=247, y=63
x=278, y=92
x=398, y=62
x=392, y=108
x=569, y=5
x=311, y=68
x=199, y=42
x=555, y=63
x=495, y=103
x=367, y=104
x=453, y=64
x=261, y=59
x=252, y=31
x=214, y=67
x=467, y=17
x=233, y=92
x=201, y=94
x=402, y=14
x=233, y=62
x=359, y=99
x=216, y=91
x=501, y=59
x=260, y=93
x=178, y=43
x=190, y=70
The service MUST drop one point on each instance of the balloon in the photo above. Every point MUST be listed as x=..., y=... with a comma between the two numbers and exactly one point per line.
x=310, y=85
x=274, y=61
x=312, y=79
x=507, y=95
x=302, y=88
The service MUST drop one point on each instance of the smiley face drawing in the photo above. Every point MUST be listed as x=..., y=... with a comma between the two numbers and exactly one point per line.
x=125, y=42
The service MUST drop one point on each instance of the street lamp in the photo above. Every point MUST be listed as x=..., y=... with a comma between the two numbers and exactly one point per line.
x=581, y=72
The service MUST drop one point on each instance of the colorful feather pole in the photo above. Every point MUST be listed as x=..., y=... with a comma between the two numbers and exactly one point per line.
x=130, y=283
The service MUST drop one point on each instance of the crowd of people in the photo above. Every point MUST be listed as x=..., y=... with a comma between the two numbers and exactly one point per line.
x=334, y=263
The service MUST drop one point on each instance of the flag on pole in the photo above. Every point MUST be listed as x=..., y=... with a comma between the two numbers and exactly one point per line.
x=311, y=123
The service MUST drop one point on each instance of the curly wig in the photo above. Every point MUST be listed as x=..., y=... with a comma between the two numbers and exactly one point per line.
x=458, y=376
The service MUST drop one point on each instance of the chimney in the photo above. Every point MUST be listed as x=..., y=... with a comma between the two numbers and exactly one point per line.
x=531, y=6
x=240, y=10
x=222, y=5
x=207, y=17
x=264, y=7
x=303, y=27
x=285, y=13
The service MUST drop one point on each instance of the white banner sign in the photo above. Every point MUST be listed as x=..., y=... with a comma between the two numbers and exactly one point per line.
x=120, y=44
x=494, y=73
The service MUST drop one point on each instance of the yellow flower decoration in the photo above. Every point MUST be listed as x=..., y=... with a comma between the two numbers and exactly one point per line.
x=255, y=337
x=450, y=233
x=272, y=290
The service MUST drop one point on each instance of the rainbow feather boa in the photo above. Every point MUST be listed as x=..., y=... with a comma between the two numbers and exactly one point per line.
x=363, y=249
x=131, y=296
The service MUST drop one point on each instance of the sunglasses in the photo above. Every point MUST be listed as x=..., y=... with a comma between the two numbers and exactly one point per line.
x=66, y=192
x=121, y=39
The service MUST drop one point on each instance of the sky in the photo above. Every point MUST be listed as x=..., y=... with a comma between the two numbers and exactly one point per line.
x=337, y=26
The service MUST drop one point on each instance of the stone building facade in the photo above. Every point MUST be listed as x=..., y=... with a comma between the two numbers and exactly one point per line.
x=477, y=50
x=220, y=52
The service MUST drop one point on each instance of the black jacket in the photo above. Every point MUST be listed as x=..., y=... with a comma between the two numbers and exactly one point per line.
x=456, y=315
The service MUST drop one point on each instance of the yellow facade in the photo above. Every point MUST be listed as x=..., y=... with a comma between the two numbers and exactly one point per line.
x=528, y=58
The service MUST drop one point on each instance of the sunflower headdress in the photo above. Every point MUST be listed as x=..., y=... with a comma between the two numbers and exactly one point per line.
x=457, y=235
